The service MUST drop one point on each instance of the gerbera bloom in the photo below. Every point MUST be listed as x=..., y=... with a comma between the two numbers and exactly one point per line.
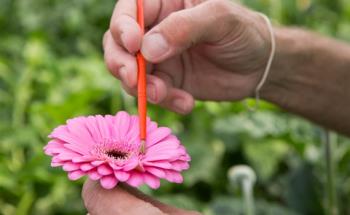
x=107, y=148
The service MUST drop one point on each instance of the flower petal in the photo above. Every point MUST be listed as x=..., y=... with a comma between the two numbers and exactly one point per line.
x=93, y=175
x=56, y=164
x=97, y=162
x=92, y=126
x=122, y=124
x=180, y=165
x=173, y=176
x=108, y=182
x=68, y=167
x=136, y=179
x=82, y=159
x=156, y=172
x=157, y=135
x=132, y=164
x=75, y=175
x=86, y=166
x=103, y=127
x=121, y=176
x=77, y=128
x=160, y=164
x=152, y=181
x=104, y=170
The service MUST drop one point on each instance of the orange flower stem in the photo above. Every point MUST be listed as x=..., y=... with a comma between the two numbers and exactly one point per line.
x=141, y=80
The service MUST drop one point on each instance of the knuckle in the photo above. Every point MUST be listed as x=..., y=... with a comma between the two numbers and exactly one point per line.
x=128, y=90
x=114, y=28
x=177, y=28
x=110, y=63
x=221, y=6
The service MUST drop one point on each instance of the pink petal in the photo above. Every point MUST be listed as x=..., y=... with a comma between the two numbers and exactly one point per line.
x=152, y=181
x=132, y=164
x=159, y=157
x=156, y=172
x=135, y=180
x=67, y=156
x=122, y=124
x=160, y=164
x=180, y=165
x=104, y=170
x=157, y=135
x=75, y=175
x=56, y=164
x=108, y=182
x=115, y=166
x=55, y=159
x=185, y=157
x=164, y=145
x=69, y=138
x=151, y=126
x=77, y=127
x=110, y=120
x=97, y=163
x=173, y=176
x=77, y=148
x=68, y=167
x=134, y=131
x=122, y=176
x=58, y=131
x=102, y=126
x=172, y=153
x=55, y=143
x=92, y=126
x=93, y=175
x=86, y=167
x=82, y=159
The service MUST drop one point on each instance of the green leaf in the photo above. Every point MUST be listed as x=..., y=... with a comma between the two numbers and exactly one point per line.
x=265, y=156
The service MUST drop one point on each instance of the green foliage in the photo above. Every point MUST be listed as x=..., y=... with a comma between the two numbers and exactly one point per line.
x=51, y=69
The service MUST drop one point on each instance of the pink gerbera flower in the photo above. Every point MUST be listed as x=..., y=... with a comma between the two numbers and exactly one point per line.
x=107, y=148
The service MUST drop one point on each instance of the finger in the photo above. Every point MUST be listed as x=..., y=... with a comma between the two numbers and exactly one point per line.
x=99, y=201
x=178, y=101
x=120, y=63
x=124, y=200
x=156, y=89
x=124, y=27
x=170, y=210
x=186, y=28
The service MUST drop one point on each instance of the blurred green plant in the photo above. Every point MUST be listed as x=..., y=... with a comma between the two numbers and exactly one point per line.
x=51, y=69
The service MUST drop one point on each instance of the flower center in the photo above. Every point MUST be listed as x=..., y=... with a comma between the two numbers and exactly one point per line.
x=116, y=154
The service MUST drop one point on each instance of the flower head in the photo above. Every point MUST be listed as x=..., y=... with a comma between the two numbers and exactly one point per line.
x=107, y=148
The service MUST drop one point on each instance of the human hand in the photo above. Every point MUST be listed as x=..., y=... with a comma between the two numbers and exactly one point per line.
x=124, y=200
x=202, y=49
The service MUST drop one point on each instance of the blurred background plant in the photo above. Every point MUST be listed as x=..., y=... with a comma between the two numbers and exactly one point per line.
x=51, y=69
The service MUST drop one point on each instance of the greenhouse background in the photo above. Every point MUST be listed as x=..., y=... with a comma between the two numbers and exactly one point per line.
x=52, y=69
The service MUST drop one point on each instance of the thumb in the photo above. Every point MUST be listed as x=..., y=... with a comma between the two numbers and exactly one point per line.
x=124, y=200
x=207, y=22
x=99, y=201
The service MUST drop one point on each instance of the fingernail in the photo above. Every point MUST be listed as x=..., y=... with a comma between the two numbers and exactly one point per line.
x=151, y=93
x=179, y=105
x=154, y=46
x=124, y=75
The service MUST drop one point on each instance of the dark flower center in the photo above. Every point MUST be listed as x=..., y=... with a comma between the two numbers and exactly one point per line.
x=117, y=154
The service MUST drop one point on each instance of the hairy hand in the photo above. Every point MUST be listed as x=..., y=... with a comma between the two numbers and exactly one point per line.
x=196, y=49
x=124, y=200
